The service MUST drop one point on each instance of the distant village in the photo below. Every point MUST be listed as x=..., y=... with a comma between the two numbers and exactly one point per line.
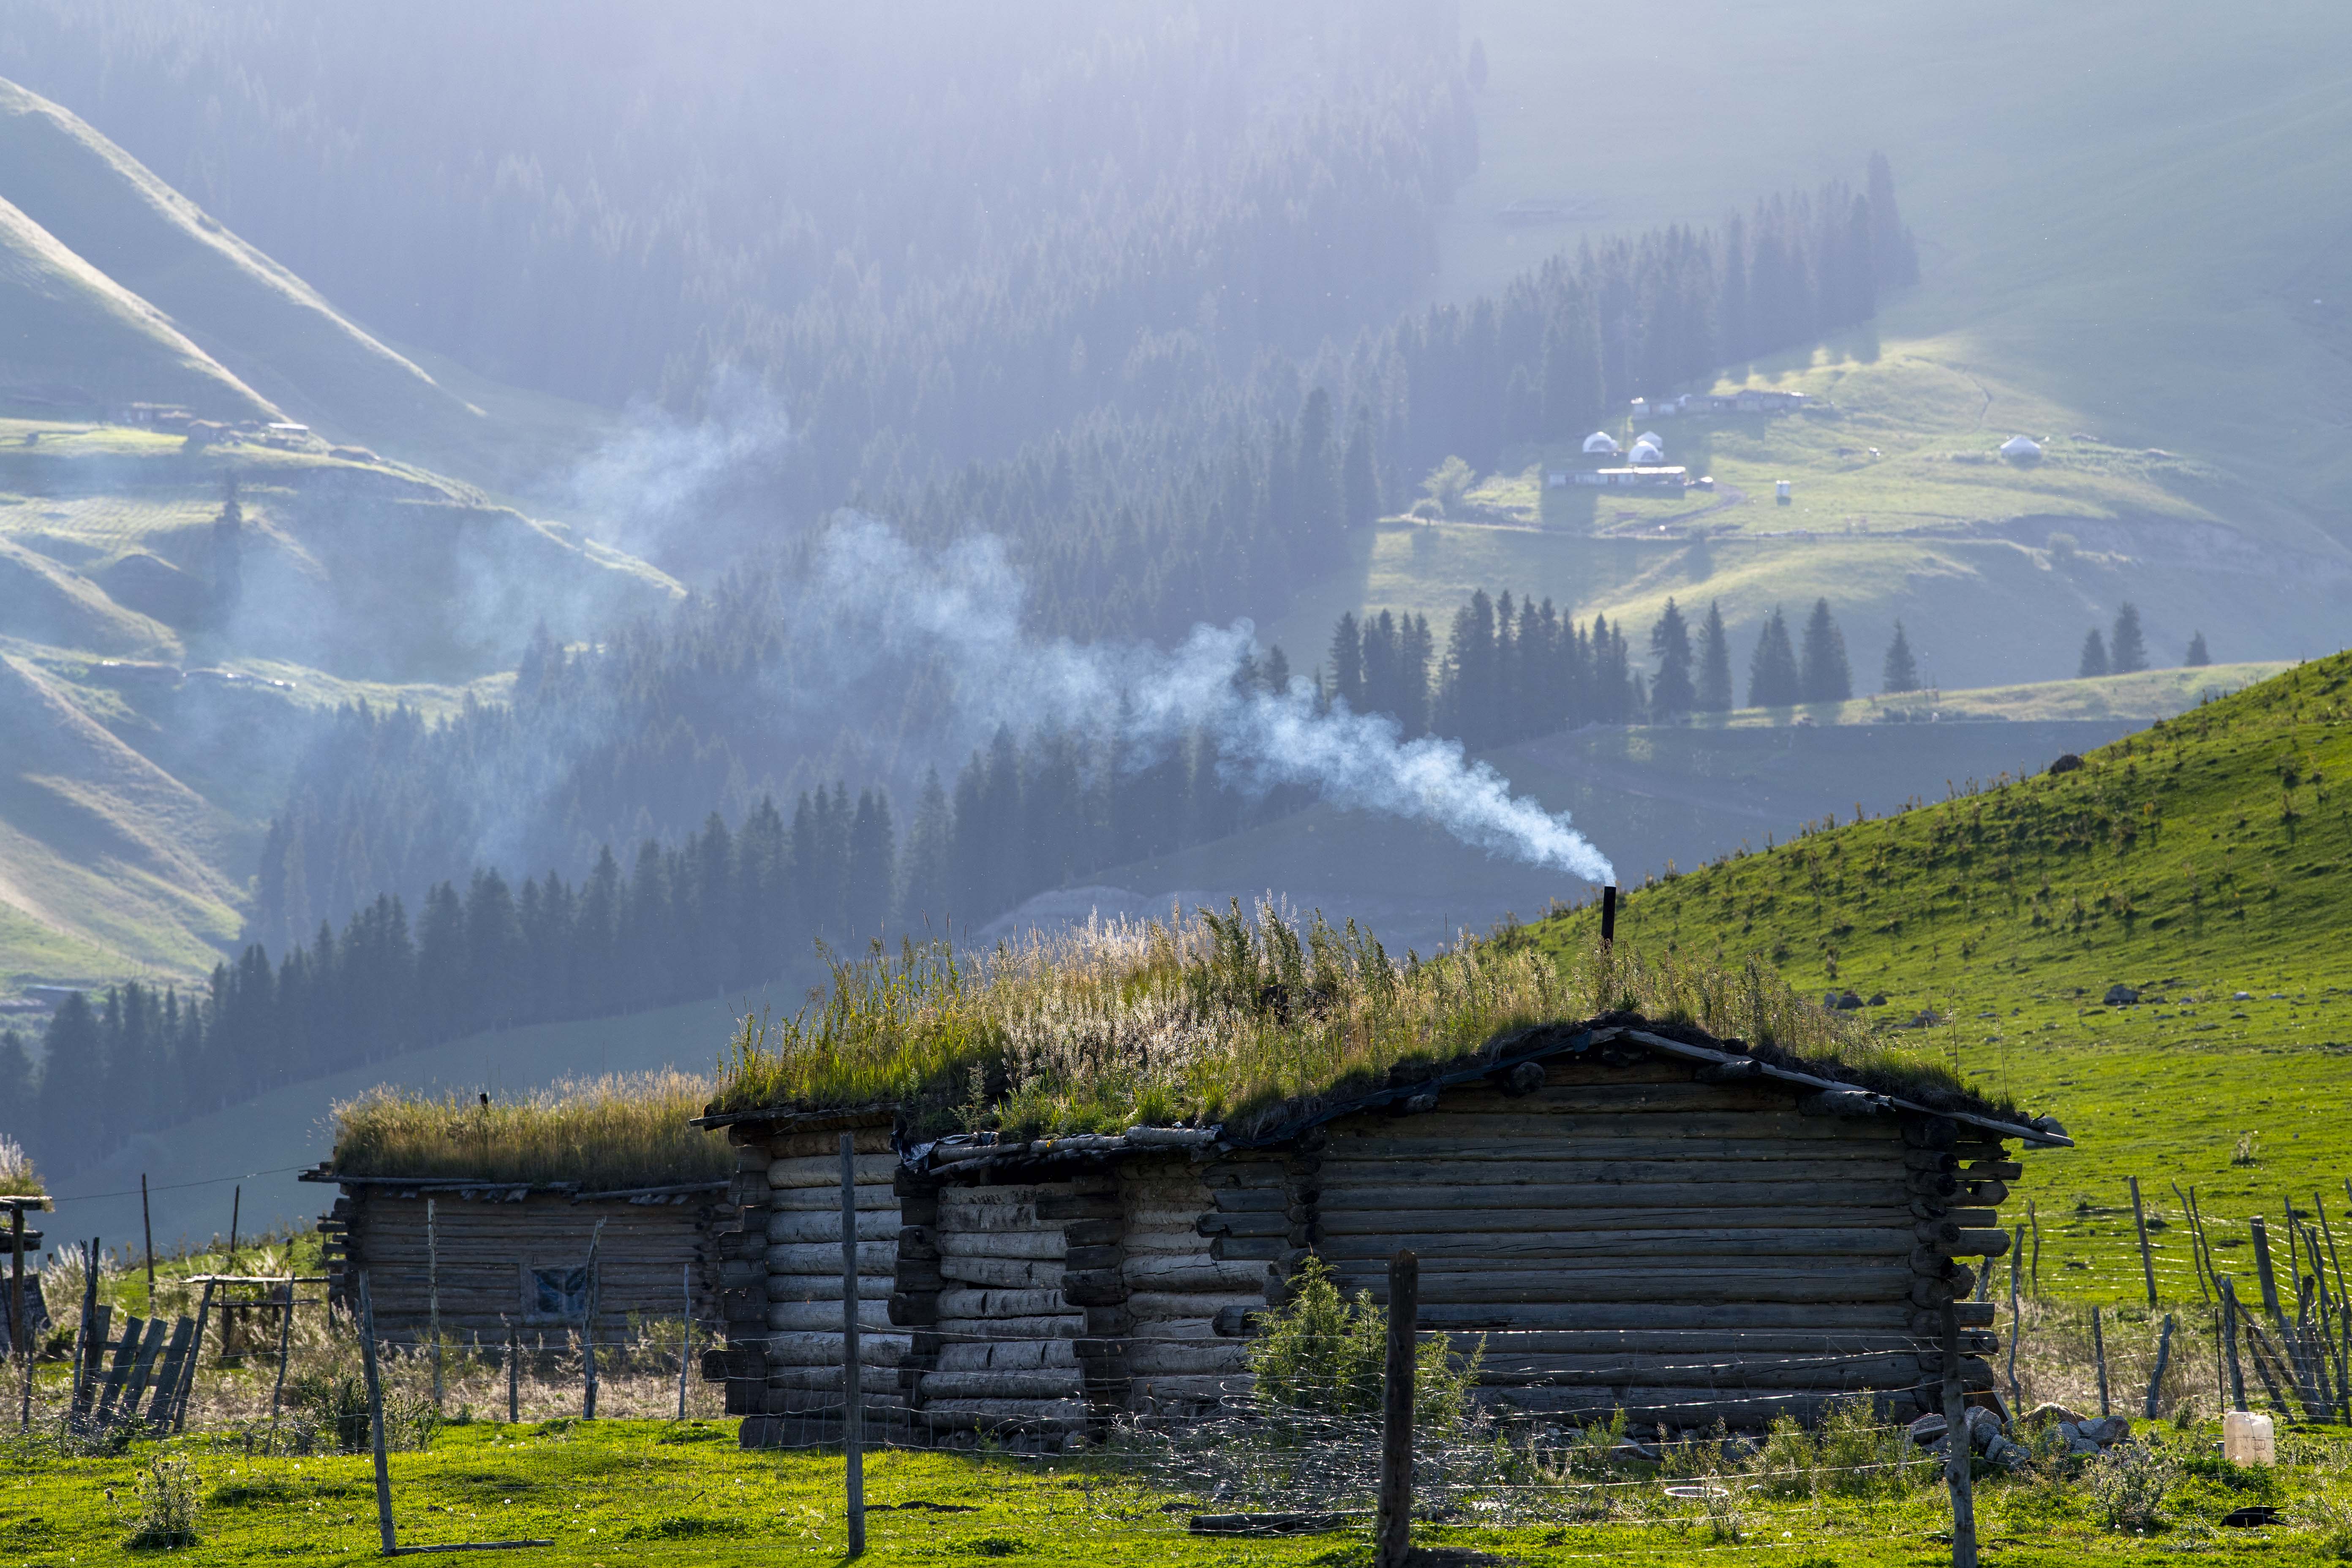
x=1646, y=467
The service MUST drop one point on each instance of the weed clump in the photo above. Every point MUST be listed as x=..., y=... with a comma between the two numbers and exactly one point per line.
x=167, y=1502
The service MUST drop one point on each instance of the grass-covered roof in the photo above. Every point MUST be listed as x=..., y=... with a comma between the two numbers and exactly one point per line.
x=603, y=1135
x=1242, y=1020
x=17, y=1177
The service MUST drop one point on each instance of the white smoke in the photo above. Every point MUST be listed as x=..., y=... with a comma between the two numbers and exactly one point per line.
x=882, y=602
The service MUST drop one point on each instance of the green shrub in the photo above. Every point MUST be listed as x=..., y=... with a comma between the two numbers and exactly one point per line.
x=167, y=1505
x=2128, y=1482
x=1324, y=1355
x=1784, y=1467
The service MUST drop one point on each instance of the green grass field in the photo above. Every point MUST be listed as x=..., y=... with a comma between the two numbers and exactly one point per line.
x=613, y=1492
x=2203, y=861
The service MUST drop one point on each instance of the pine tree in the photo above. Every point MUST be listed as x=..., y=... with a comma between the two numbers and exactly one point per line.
x=1901, y=672
x=1360, y=474
x=2095, y=655
x=1825, y=677
x=1276, y=673
x=2127, y=648
x=1772, y=680
x=1893, y=258
x=72, y=1079
x=16, y=1087
x=1714, y=663
x=1347, y=662
x=873, y=870
x=2198, y=658
x=930, y=838
x=1671, y=692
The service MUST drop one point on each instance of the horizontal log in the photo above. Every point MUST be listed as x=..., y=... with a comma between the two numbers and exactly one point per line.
x=1972, y=1314
x=1092, y=1259
x=975, y=1219
x=991, y=1331
x=1079, y=1205
x=1002, y=1303
x=1992, y=1171
x=827, y=1287
x=1689, y=1344
x=825, y=1171
x=1205, y=1388
x=1166, y=1307
x=1573, y=1247
x=1751, y=1157
x=1688, y=1408
x=1529, y=1137
x=806, y=1225
x=1221, y=1357
x=1093, y=1232
x=1096, y=1287
x=818, y=1316
x=1011, y=1244
x=1554, y=1214
x=1002, y=1194
x=1898, y=1369
x=1250, y=1248
x=1589, y=1181
x=783, y=1399
x=1006, y=1273
x=1728, y=1282
x=1165, y=1245
x=874, y=1140
x=1026, y=1355
x=1464, y=1318
x=1046, y=1383
x=874, y=1258
x=1163, y=1274
x=1222, y=1224
x=963, y=1414
x=824, y=1350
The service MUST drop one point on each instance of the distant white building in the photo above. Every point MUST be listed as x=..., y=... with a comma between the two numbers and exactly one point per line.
x=1647, y=452
x=1602, y=444
x=1635, y=478
x=2020, y=447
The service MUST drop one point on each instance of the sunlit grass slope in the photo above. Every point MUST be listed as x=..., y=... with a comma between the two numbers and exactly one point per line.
x=2206, y=857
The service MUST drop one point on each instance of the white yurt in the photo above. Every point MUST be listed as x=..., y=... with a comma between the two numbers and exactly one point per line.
x=2020, y=447
x=1653, y=438
x=1602, y=444
x=1647, y=451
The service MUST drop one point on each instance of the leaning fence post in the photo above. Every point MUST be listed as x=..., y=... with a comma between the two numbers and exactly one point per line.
x=1393, y=1540
x=853, y=1394
x=2163, y=1357
x=2099, y=1354
x=2146, y=1257
x=2016, y=1253
x=375, y=1418
x=2230, y=1341
x=1959, y=1445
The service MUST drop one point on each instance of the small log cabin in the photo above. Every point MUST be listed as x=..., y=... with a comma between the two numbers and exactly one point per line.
x=1630, y=1216
x=515, y=1255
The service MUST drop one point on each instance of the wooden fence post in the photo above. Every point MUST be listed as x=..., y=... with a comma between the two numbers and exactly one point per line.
x=2099, y=1354
x=2163, y=1358
x=2146, y=1257
x=1959, y=1445
x=19, y=1341
x=685, y=1332
x=2033, y=1273
x=375, y=1419
x=2016, y=1253
x=2196, y=1242
x=87, y=1352
x=187, y=1387
x=2230, y=1341
x=235, y=1207
x=514, y=1373
x=853, y=1395
x=1392, y=1539
x=433, y=1294
x=147, y=1228
x=588, y=1330
x=284, y=1344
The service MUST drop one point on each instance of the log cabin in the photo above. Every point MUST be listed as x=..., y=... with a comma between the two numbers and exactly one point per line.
x=1621, y=1215
x=491, y=1210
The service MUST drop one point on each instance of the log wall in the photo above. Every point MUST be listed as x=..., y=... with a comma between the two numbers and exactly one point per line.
x=780, y=1268
x=487, y=1248
x=1627, y=1238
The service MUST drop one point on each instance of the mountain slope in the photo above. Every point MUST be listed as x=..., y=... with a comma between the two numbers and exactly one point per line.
x=268, y=331
x=2201, y=862
x=73, y=333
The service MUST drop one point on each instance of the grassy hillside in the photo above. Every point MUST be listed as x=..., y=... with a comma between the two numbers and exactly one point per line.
x=2203, y=861
x=128, y=290
x=152, y=726
x=74, y=333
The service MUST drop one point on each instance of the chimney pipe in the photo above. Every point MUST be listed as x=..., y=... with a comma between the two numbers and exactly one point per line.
x=1608, y=913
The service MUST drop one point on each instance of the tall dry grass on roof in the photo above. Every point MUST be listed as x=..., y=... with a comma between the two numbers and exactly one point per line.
x=605, y=1133
x=1213, y=1017
x=17, y=1177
